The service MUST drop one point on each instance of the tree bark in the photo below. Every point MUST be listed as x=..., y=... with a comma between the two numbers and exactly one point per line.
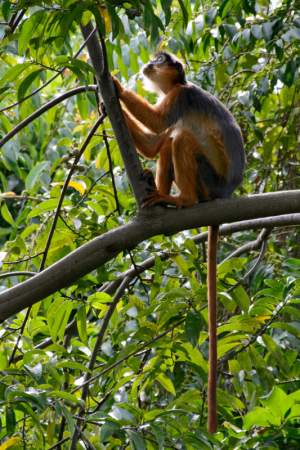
x=112, y=106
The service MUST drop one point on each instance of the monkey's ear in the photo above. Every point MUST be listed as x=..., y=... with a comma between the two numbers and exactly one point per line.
x=181, y=72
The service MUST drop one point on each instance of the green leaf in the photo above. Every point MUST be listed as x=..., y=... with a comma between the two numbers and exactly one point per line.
x=6, y=7
x=136, y=440
x=166, y=6
x=108, y=429
x=185, y=14
x=116, y=24
x=58, y=315
x=193, y=326
x=166, y=383
x=10, y=420
x=63, y=395
x=69, y=419
x=257, y=31
x=13, y=73
x=241, y=298
x=34, y=175
x=47, y=206
x=7, y=215
x=229, y=401
x=187, y=352
x=83, y=106
x=28, y=29
x=98, y=299
x=28, y=80
x=278, y=402
x=81, y=323
x=261, y=417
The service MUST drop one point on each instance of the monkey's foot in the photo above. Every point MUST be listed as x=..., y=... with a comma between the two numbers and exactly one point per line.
x=156, y=198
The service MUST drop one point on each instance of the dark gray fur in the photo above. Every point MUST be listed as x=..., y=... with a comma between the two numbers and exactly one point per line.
x=192, y=98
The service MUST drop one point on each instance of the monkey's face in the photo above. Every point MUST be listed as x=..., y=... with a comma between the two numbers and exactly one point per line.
x=164, y=71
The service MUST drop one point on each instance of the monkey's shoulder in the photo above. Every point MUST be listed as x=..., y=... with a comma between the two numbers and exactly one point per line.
x=193, y=98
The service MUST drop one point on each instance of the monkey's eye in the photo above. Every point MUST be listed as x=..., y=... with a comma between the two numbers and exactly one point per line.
x=160, y=59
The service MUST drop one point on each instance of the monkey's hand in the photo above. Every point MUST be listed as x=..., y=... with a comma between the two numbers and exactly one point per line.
x=118, y=86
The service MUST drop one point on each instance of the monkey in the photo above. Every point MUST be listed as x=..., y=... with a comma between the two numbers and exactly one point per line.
x=200, y=149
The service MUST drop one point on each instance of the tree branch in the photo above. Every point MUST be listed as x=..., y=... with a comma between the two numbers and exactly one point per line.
x=148, y=223
x=112, y=105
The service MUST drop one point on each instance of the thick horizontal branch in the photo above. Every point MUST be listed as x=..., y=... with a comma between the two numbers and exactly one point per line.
x=148, y=223
x=44, y=108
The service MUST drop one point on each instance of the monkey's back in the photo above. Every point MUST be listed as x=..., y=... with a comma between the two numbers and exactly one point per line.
x=220, y=155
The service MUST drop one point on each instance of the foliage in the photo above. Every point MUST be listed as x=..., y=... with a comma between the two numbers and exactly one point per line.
x=149, y=380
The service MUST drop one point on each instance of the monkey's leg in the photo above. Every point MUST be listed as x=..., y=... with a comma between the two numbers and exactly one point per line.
x=164, y=175
x=164, y=168
x=186, y=174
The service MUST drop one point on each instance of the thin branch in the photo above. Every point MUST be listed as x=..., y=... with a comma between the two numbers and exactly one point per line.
x=66, y=184
x=25, y=273
x=26, y=258
x=253, y=268
x=62, y=441
x=253, y=245
x=13, y=196
x=45, y=108
x=111, y=170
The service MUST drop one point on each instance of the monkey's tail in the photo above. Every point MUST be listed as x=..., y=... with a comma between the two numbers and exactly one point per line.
x=213, y=232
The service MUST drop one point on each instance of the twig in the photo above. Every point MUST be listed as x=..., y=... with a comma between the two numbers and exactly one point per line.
x=253, y=268
x=253, y=245
x=25, y=273
x=66, y=184
x=66, y=439
x=8, y=196
x=27, y=258
x=111, y=170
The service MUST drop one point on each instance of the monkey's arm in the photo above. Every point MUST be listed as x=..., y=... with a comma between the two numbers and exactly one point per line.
x=146, y=142
x=152, y=117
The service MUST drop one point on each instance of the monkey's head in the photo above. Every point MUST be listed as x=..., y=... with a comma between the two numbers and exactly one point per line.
x=164, y=71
